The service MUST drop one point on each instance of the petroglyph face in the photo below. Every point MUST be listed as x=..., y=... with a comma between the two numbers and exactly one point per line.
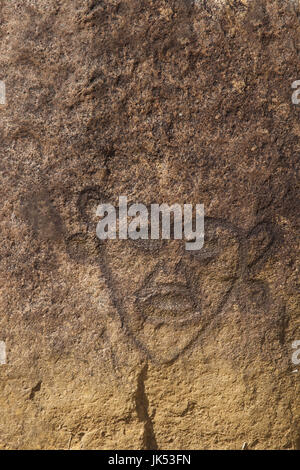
x=166, y=295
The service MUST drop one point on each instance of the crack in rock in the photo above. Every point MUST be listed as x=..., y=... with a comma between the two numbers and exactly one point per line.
x=142, y=409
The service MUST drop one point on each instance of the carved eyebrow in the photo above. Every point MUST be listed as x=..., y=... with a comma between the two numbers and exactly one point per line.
x=204, y=255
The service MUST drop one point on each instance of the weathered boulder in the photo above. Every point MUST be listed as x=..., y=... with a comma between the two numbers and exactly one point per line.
x=124, y=344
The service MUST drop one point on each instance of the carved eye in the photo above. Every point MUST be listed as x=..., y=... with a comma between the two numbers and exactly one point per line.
x=204, y=255
x=151, y=246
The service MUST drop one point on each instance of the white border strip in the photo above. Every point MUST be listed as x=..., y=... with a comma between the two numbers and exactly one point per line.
x=2, y=93
x=2, y=353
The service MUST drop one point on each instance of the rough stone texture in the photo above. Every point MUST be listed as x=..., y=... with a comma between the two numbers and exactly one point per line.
x=162, y=101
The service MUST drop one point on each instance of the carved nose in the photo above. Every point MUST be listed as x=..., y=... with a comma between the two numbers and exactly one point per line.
x=169, y=273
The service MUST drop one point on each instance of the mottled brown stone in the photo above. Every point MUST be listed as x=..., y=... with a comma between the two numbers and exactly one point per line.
x=162, y=101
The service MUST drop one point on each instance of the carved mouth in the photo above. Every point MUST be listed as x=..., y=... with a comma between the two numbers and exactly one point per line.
x=167, y=304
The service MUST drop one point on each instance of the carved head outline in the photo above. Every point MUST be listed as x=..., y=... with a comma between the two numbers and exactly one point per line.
x=165, y=296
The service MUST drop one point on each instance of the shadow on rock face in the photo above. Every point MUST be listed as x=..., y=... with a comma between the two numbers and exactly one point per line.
x=166, y=296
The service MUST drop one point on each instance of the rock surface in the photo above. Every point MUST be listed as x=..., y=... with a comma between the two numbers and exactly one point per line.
x=162, y=101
